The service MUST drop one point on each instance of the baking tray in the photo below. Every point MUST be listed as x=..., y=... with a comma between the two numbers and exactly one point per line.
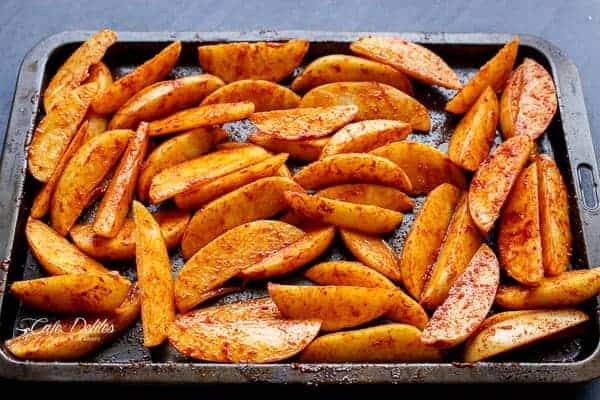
x=568, y=139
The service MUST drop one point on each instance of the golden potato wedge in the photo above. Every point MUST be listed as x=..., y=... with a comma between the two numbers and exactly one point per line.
x=528, y=102
x=425, y=166
x=352, y=168
x=98, y=123
x=77, y=67
x=473, y=136
x=154, y=276
x=494, y=73
x=470, y=299
x=228, y=255
x=246, y=332
x=164, y=98
x=416, y=61
x=73, y=293
x=360, y=217
x=494, y=179
x=261, y=60
x=460, y=244
x=83, y=173
x=337, y=307
x=519, y=236
x=374, y=101
x=265, y=95
x=365, y=193
x=302, y=150
x=153, y=70
x=172, y=224
x=258, y=200
x=372, y=251
x=100, y=74
x=554, y=217
x=56, y=130
x=384, y=343
x=72, y=339
x=344, y=68
x=425, y=237
x=519, y=331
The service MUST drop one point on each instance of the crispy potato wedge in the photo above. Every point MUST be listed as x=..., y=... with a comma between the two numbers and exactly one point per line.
x=228, y=255
x=261, y=60
x=337, y=307
x=154, y=276
x=73, y=293
x=384, y=343
x=374, y=101
x=246, y=332
x=100, y=74
x=494, y=73
x=473, y=136
x=258, y=200
x=344, y=68
x=364, y=218
x=77, y=67
x=164, y=98
x=366, y=193
x=372, y=251
x=416, y=61
x=83, y=173
x=554, y=217
x=519, y=331
x=265, y=95
x=302, y=150
x=494, y=179
x=97, y=123
x=425, y=166
x=425, y=237
x=153, y=70
x=470, y=299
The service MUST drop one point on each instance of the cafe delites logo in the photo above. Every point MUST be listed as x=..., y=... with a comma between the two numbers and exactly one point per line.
x=91, y=328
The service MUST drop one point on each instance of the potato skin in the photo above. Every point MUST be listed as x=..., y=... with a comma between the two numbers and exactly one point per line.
x=265, y=95
x=302, y=150
x=365, y=193
x=372, y=251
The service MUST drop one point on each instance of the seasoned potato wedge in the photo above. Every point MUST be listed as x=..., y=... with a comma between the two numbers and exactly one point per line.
x=494, y=73
x=164, y=98
x=344, y=68
x=100, y=74
x=473, y=137
x=468, y=302
x=73, y=293
x=265, y=95
x=228, y=255
x=337, y=307
x=373, y=252
x=261, y=60
x=425, y=237
x=250, y=331
x=98, y=123
x=153, y=70
x=366, y=193
x=374, y=101
x=425, y=166
x=302, y=150
x=414, y=60
x=494, y=179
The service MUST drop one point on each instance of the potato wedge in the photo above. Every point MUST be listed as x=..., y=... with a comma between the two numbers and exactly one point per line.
x=77, y=67
x=425, y=166
x=416, y=61
x=554, y=217
x=494, y=179
x=372, y=251
x=154, y=276
x=73, y=293
x=337, y=307
x=473, y=137
x=344, y=68
x=258, y=200
x=470, y=299
x=153, y=70
x=83, y=173
x=494, y=73
x=228, y=255
x=265, y=95
x=98, y=123
x=366, y=193
x=100, y=74
x=360, y=217
x=250, y=331
x=374, y=101
x=519, y=236
x=302, y=150
x=384, y=343
x=519, y=331
x=425, y=237
x=164, y=98
x=261, y=60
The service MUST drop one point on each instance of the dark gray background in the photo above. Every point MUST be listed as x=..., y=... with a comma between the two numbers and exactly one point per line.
x=572, y=25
